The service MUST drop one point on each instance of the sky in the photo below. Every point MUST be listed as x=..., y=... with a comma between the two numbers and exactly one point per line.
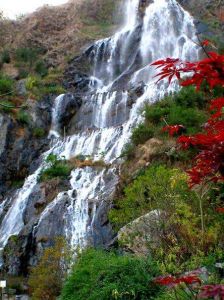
x=13, y=8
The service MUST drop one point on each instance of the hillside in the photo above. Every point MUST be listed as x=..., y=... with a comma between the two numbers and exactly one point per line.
x=60, y=32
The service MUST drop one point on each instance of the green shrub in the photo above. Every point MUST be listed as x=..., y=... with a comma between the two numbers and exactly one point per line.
x=23, y=73
x=23, y=117
x=57, y=168
x=105, y=275
x=128, y=151
x=167, y=111
x=38, y=132
x=159, y=187
x=6, y=84
x=33, y=82
x=6, y=106
x=141, y=134
x=39, y=87
x=189, y=97
x=5, y=57
x=26, y=55
x=40, y=68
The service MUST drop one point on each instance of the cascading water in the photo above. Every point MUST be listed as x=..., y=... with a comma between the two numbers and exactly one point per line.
x=106, y=118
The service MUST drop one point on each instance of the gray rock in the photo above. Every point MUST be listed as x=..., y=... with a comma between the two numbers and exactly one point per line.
x=69, y=107
x=5, y=125
x=21, y=87
x=136, y=236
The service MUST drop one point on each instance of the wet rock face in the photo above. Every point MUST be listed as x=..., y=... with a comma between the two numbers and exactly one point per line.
x=18, y=252
x=6, y=124
x=19, y=148
x=54, y=222
x=77, y=73
x=24, y=250
x=69, y=107
x=43, y=194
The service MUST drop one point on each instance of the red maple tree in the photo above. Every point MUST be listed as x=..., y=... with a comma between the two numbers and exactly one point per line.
x=210, y=142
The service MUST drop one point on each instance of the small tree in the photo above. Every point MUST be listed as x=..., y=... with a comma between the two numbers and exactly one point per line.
x=47, y=277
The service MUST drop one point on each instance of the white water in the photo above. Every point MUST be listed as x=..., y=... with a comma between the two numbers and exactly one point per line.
x=167, y=31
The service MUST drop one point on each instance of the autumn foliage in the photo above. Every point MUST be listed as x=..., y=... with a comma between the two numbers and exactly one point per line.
x=208, y=73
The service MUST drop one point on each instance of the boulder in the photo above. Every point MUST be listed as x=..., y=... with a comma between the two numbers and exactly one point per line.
x=136, y=236
x=21, y=87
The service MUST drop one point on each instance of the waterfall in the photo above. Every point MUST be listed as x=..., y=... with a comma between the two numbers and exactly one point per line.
x=166, y=30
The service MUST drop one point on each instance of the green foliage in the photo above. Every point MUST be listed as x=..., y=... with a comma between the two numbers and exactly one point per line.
x=6, y=84
x=189, y=97
x=38, y=132
x=182, y=108
x=57, y=168
x=54, y=89
x=23, y=117
x=32, y=82
x=106, y=275
x=26, y=55
x=38, y=87
x=5, y=57
x=159, y=187
x=173, y=113
x=15, y=285
x=6, y=106
x=40, y=68
x=23, y=73
x=17, y=183
x=47, y=277
x=128, y=151
x=141, y=134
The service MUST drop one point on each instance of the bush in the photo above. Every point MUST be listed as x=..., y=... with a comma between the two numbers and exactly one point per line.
x=168, y=111
x=159, y=187
x=105, y=275
x=26, y=55
x=38, y=87
x=23, y=73
x=32, y=82
x=128, y=151
x=23, y=117
x=189, y=97
x=38, y=132
x=6, y=106
x=141, y=134
x=5, y=57
x=40, y=68
x=47, y=277
x=6, y=84
x=57, y=168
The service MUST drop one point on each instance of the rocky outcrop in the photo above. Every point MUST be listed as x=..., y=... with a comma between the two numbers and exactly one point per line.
x=24, y=250
x=142, y=234
x=19, y=147
x=69, y=107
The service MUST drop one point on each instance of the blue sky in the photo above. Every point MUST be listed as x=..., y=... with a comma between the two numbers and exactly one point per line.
x=13, y=8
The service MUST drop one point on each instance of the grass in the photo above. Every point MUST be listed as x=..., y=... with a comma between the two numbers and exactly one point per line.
x=57, y=168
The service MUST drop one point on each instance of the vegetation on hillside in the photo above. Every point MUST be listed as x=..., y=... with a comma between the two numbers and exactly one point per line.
x=107, y=275
x=46, y=279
